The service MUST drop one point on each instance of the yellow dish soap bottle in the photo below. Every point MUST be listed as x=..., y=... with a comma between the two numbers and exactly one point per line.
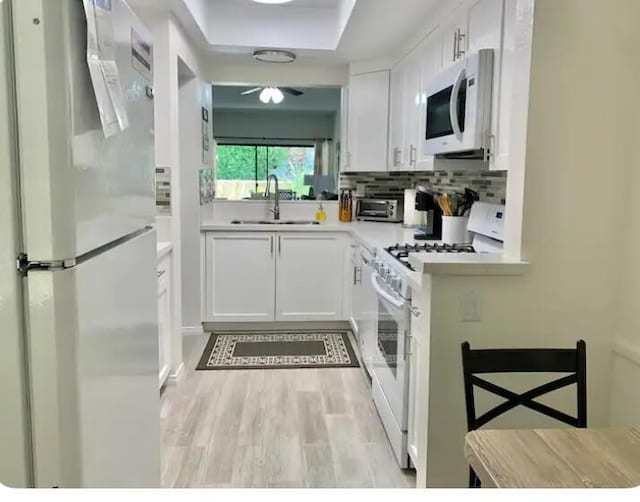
x=321, y=216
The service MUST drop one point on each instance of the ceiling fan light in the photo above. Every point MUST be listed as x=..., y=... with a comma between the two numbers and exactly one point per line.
x=276, y=95
x=265, y=95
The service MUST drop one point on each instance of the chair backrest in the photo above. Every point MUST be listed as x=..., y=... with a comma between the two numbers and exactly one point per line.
x=484, y=361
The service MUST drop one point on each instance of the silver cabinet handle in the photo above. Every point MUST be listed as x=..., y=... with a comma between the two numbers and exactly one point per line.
x=271, y=241
x=407, y=345
x=279, y=245
x=412, y=155
x=161, y=273
x=357, y=276
x=455, y=46
x=460, y=37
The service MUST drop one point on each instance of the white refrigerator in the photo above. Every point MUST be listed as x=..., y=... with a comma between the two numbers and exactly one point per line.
x=78, y=306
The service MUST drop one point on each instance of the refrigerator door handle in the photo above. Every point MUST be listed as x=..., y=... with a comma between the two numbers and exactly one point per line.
x=24, y=266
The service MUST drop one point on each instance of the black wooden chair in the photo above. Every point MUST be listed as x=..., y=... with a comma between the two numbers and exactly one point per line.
x=484, y=361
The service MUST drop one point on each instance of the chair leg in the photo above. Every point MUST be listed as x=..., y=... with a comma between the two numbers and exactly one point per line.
x=474, y=480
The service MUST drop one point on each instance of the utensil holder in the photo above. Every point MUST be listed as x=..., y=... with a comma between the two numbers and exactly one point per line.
x=454, y=230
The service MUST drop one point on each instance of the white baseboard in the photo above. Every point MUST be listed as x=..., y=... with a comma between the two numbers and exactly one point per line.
x=175, y=377
x=627, y=349
x=192, y=330
x=276, y=326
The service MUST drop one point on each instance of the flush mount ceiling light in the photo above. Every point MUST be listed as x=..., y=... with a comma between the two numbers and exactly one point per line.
x=273, y=1
x=274, y=56
x=271, y=94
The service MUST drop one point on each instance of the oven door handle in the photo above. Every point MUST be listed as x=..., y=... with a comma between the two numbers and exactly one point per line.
x=453, y=104
x=381, y=292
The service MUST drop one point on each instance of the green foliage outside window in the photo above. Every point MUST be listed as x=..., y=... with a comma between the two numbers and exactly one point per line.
x=243, y=163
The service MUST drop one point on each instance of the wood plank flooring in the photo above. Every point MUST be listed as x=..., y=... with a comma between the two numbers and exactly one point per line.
x=299, y=428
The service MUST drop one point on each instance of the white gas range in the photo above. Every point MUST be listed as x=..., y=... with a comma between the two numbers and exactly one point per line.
x=391, y=279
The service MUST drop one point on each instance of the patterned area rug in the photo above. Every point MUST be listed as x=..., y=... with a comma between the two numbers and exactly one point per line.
x=278, y=350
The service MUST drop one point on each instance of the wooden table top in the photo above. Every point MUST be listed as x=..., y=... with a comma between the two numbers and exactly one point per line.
x=555, y=458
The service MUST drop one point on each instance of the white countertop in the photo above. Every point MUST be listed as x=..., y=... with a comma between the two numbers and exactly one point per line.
x=163, y=248
x=375, y=235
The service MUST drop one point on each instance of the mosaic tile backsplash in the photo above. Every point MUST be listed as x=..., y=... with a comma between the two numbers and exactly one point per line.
x=163, y=190
x=490, y=185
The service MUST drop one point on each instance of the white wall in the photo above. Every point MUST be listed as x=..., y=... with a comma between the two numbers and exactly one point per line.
x=172, y=45
x=194, y=95
x=577, y=150
x=273, y=124
x=625, y=396
x=220, y=71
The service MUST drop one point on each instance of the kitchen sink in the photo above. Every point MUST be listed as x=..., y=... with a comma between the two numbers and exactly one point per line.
x=274, y=222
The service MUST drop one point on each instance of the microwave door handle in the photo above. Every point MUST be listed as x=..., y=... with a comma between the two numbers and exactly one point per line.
x=381, y=292
x=453, y=104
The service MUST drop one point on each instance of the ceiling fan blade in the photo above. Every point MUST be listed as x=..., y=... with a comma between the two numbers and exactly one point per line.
x=251, y=91
x=293, y=92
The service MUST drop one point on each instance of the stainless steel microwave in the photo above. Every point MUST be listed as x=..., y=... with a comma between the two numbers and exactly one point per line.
x=389, y=210
x=459, y=108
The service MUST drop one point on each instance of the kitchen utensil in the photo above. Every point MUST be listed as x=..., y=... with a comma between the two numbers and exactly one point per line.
x=445, y=204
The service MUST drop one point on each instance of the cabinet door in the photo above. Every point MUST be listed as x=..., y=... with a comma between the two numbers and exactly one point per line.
x=413, y=106
x=453, y=37
x=368, y=122
x=309, y=277
x=397, y=118
x=486, y=25
x=164, y=319
x=429, y=53
x=418, y=420
x=344, y=130
x=356, y=291
x=240, y=276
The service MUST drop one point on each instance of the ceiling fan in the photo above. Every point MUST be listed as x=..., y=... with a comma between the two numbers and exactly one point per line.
x=272, y=93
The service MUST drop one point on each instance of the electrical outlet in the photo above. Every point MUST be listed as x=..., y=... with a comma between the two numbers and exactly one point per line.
x=470, y=307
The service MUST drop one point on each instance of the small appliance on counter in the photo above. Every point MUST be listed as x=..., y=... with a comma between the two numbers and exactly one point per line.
x=430, y=226
x=383, y=210
x=412, y=217
x=345, y=206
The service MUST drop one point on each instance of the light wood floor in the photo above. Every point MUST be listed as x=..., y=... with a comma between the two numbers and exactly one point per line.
x=300, y=428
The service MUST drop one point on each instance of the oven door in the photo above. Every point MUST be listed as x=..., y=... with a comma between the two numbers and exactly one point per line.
x=391, y=361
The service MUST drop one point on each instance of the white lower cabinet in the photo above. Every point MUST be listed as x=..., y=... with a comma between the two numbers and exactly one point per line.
x=241, y=276
x=274, y=276
x=309, y=281
x=418, y=390
x=164, y=317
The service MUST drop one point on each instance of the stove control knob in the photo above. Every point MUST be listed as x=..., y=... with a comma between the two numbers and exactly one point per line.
x=377, y=266
x=384, y=272
x=396, y=283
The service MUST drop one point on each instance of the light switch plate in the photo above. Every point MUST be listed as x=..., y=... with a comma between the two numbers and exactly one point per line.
x=470, y=310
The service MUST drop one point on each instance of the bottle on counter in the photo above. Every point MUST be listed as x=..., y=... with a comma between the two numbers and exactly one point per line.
x=321, y=216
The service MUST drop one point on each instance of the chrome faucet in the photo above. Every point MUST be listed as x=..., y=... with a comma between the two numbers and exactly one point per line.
x=276, y=206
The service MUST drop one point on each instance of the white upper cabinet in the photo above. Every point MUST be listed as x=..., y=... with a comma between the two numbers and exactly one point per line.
x=367, y=122
x=399, y=126
x=486, y=27
x=310, y=277
x=453, y=36
x=429, y=53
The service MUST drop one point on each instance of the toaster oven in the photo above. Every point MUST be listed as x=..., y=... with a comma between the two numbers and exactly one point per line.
x=389, y=210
